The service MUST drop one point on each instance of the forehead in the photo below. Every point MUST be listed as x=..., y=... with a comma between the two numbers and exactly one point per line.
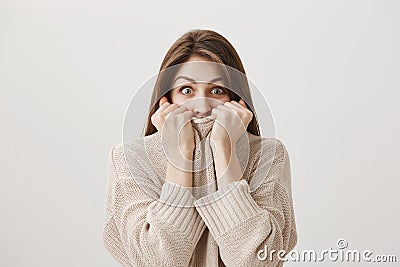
x=199, y=71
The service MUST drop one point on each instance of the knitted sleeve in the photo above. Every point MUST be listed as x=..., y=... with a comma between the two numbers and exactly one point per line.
x=243, y=223
x=141, y=229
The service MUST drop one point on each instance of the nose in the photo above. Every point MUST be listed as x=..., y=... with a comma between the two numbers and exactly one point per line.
x=202, y=107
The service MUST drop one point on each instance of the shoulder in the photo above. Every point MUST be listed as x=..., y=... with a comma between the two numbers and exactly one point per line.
x=133, y=149
x=268, y=146
x=132, y=166
x=270, y=160
x=135, y=154
x=118, y=150
x=117, y=156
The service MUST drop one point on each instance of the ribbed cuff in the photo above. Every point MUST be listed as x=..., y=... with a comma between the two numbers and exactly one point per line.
x=175, y=206
x=227, y=207
x=176, y=195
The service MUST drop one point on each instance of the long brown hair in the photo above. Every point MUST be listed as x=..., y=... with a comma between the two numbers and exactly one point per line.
x=214, y=47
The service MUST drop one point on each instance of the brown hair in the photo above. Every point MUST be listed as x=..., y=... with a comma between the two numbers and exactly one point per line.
x=210, y=45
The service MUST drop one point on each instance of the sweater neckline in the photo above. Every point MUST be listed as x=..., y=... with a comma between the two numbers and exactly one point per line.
x=203, y=126
x=202, y=119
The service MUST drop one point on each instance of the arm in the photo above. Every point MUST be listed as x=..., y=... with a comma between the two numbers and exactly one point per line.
x=141, y=230
x=227, y=169
x=181, y=177
x=244, y=222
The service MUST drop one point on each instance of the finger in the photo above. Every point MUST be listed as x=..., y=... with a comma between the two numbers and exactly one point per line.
x=178, y=109
x=228, y=109
x=238, y=104
x=170, y=109
x=223, y=107
x=241, y=101
x=233, y=106
x=187, y=115
x=163, y=100
x=163, y=103
x=216, y=112
x=161, y=107
x=241, y=110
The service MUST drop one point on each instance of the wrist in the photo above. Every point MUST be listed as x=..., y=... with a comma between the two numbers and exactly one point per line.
x=227, y=166
x=187, y=152
x=179, y=176
x=222, y=146
x=223, y=155
x=179, y=157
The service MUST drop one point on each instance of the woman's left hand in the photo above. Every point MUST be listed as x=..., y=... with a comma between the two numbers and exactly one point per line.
x=232, y=119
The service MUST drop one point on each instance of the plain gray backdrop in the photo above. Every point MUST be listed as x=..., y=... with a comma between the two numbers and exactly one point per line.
x=68, y=70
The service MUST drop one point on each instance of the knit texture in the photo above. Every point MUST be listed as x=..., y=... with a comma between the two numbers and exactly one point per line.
x=152, y=222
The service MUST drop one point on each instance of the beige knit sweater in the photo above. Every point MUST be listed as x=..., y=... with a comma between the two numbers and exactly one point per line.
x=151, y=222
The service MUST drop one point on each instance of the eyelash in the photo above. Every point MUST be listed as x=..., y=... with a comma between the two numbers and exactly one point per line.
x=219, y=87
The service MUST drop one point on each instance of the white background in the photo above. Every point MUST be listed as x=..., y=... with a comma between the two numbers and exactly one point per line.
x=68, y=69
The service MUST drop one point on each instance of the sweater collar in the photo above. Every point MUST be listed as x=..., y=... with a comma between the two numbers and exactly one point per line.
x=203, y=126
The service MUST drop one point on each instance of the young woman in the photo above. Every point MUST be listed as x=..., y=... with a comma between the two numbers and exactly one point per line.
x=182, y=195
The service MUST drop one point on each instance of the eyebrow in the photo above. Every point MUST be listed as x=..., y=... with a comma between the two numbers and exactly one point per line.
x=194, y=81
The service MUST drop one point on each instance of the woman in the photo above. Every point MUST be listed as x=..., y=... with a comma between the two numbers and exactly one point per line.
x=190, y=203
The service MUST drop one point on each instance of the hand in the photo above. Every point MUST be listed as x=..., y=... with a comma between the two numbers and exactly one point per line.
x=173, y=121
x=233, y=117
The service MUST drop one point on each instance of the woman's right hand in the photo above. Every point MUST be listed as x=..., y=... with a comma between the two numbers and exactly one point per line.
x=173, y=122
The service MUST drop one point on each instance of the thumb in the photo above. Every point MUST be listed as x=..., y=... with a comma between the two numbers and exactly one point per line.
x=241, y=101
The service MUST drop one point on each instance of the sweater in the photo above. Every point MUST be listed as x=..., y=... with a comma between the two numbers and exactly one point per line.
x=152, y=222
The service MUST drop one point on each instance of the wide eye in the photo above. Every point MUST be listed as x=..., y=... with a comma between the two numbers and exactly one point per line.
x=186, y=90
x=218, y=91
